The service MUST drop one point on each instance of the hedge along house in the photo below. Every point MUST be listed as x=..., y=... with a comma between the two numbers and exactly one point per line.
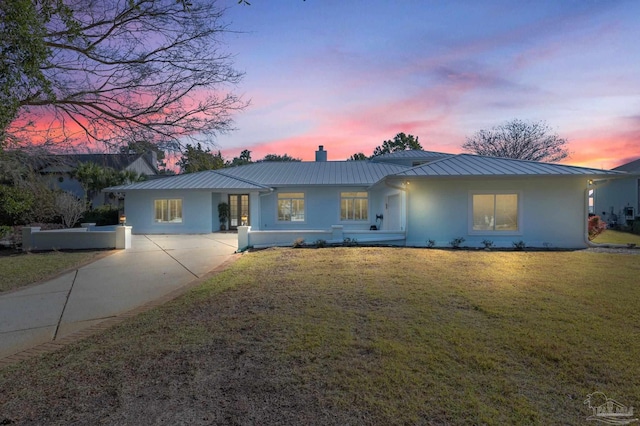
x=404, y=198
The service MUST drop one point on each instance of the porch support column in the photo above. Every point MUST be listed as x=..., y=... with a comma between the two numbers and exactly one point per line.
x=243, y=237
x=123, y=237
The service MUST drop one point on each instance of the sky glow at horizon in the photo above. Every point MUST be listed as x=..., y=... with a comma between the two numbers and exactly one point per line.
x=350, y=74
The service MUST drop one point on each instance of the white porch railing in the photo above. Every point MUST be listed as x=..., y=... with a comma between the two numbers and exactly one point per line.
x=336, y=235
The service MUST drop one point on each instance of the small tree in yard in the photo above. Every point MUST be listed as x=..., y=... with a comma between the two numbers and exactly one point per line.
x=69, y=208
x=596, y=226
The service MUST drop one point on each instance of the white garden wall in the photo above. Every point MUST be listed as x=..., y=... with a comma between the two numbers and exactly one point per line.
x=108, y=237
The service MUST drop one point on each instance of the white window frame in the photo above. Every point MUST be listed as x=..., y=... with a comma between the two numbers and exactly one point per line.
x=281, y=196
x=342, y=197
x=168, y=222
x=494, y=232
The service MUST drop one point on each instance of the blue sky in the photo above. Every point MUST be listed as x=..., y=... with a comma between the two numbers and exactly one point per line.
x=350, y=74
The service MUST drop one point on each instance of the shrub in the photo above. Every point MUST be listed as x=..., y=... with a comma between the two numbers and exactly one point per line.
x=455, y=243
x=4, y=230
x=635, y=226
x=320, y=243
x=349, y=242
x=596, y=226
x=431, y=243
x=519, y=245
x=102, y=216
x=487, y=244
x=299, y=242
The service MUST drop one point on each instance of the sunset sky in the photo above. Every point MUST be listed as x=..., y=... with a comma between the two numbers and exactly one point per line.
x=350, y=74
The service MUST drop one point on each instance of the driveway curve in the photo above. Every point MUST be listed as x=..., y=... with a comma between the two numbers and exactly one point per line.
x=154, y=266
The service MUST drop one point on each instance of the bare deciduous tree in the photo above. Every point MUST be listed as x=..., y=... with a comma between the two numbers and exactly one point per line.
x=69, y=208
x=115, y=71
x=520, y=140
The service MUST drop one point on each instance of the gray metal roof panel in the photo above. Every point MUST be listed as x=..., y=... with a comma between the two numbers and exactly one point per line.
x=315, y=173
x=475, y=165
x=210, y=179
x=265, y=175
x=632, y=167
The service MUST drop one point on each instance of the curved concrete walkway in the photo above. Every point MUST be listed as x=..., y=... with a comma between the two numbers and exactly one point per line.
x=154, y=267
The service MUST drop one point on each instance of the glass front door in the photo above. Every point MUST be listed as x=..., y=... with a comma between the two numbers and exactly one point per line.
x=239, y=210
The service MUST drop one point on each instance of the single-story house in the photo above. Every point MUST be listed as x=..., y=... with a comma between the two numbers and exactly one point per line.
x=413, y=198
x=617, y=201
x=58, y=170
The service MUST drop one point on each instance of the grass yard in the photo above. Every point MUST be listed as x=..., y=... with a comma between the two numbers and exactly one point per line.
x=20, y=269
x=358, y=336
x=617, y=237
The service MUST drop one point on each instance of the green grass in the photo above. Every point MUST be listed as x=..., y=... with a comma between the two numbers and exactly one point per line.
x=20, y=269
x=358, y=336
x=611, y=236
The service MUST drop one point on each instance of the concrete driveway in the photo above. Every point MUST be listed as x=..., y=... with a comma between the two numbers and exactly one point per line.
x=155, y=266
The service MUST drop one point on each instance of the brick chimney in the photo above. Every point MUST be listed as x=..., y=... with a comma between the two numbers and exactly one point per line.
x=321, y=154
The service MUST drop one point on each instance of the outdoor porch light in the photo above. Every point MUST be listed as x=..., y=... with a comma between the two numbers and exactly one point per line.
x=123, y=219
x=244, y=219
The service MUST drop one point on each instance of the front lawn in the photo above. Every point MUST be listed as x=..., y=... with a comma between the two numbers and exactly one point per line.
x=358, y=336
x=20, y=269
x=610, y=236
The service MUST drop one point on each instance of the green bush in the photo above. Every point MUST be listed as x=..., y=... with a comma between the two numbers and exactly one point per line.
x=102, y=216
x=519, y=245
x=5, y=230
x=635, y=226
x=320, y=243
x=455, y=243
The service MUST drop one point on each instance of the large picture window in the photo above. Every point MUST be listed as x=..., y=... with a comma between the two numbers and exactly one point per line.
x=168, y=211
x=354, y=206
x=291, y=206
x=495, y=212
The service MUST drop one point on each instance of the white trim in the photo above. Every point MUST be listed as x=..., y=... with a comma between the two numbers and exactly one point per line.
x=354, y=221
x=471, y=231
x=153, y=219
x=291, y=222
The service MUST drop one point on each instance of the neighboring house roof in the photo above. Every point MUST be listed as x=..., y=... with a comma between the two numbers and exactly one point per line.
x=631, y=167
x=208, y=179
x=410, y=158
x=475, y=165
x=65, y=163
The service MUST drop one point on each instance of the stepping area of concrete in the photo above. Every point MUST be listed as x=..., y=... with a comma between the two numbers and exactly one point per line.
x=153, y=267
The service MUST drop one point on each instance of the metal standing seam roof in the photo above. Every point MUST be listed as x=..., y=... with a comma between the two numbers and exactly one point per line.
x=631, y=167
x=315, y=173
x=210, y=179
x=475, y=165
x=266, y=175
x=262, y=176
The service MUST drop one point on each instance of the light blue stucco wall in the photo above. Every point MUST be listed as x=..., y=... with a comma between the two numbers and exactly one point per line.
x=612, y=196
x=322, y=209
x=198, y=217
x=553, y=211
